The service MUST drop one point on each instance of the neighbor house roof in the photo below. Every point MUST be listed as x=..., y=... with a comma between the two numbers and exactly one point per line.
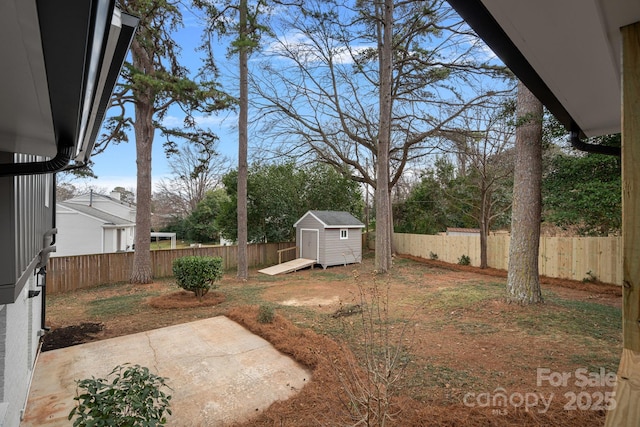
x=462, y=230
x=334, y=219
x=566, y=52
x=106, y=218
x=92, y=196
x=61, y=60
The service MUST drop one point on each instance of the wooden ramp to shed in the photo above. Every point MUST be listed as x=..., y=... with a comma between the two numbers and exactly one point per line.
x=288, y=267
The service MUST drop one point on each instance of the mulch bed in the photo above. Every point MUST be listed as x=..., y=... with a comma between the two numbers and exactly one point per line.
x=593, y=287
x=324, y=401
x=71, y=335
x=186, y=299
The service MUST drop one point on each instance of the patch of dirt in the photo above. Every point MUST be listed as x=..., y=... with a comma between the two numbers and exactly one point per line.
x=71, y=335
x=185, y=299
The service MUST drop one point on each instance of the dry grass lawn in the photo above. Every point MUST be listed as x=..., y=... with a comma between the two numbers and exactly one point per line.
x=457, y=345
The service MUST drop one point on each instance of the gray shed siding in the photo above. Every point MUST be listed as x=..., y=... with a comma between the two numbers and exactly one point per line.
x=342, y=251
x=331, y=249
x=310, y=223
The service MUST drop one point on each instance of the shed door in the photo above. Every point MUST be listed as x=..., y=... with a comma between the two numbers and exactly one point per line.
x=309, y=244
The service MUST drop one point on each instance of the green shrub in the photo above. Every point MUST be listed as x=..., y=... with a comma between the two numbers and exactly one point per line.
x=133, y=398
x=266, y=313
x=197, y=273
x=464, y=260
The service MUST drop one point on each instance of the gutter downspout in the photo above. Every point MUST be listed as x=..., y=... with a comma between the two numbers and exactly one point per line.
x=56, y=164
x=42, y=270
x=578, y=144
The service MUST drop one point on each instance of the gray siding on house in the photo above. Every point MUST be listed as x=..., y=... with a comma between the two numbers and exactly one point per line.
x=26, y=214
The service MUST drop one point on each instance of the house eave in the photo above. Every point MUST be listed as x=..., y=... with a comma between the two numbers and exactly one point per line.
x=64, y=57
x=567, y=53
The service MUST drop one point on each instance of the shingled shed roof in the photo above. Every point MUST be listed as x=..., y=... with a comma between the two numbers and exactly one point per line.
x=334, y=219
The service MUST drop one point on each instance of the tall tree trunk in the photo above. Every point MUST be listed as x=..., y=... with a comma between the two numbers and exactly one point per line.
x=144, y=131
x=383, y=199
x=523, y=280
x=484, y=226
x=243, y=272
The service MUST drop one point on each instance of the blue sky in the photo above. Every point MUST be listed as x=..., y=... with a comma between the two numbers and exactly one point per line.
x=116, y=166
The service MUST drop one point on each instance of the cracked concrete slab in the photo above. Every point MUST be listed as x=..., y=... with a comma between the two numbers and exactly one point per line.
x=219, y=373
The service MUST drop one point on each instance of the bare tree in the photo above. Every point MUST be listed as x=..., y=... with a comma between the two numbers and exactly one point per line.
x=523, y=280
x=370, y=84
x=484, y=150
x=193, y=173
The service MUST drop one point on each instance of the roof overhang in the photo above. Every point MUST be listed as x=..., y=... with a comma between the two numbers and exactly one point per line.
x=568, y=53
x=60, y=62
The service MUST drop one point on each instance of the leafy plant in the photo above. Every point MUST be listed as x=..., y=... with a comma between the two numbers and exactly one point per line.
x=266, y=313
x=584, y=191
x=590, y=278
x=464, y=260
x=134, y=397
x=197, y=273
x=433, y=256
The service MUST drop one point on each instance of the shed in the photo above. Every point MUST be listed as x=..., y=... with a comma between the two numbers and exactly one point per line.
x=329, y=237
x=455, y=231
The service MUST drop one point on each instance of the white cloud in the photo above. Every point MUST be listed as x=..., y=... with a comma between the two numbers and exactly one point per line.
x=481, y=48
x=110, y=182
x=171, y=121
x=302, y=45
x=207, y=121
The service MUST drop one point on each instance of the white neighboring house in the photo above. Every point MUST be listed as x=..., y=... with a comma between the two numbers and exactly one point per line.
x=94, y=224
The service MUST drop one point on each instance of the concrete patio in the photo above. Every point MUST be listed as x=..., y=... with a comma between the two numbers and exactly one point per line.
x=218, y=371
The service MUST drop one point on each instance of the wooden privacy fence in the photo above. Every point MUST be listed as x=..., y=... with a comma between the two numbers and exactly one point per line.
x=575, y=258
x=84, y=271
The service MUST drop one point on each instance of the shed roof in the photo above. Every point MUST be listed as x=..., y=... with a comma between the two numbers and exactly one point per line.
x=334, y=219
x=462, y=230
x=566, y=52
x=107, y=218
